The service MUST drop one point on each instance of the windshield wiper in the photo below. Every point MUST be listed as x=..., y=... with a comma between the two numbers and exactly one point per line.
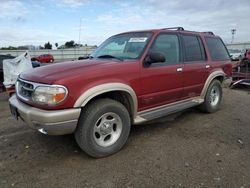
x=109, y=56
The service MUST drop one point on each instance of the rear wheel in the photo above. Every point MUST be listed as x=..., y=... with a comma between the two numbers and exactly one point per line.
x=103, y=128
x=213, y=97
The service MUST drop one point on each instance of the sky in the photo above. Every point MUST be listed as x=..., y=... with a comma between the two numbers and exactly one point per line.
x=35, y=22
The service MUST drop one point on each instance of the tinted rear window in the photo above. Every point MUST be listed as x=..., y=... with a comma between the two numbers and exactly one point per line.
x=194, y=51
x=217, y=49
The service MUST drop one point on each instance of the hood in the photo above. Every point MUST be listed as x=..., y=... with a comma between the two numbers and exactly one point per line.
x=50, y=74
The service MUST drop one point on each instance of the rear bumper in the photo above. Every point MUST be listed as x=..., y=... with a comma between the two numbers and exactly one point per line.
x=52, y=122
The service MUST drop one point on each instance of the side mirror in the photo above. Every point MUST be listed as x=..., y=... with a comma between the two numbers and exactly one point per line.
x=154, y=57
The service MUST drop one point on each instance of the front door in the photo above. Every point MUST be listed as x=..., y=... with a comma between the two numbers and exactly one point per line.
x=162, y=83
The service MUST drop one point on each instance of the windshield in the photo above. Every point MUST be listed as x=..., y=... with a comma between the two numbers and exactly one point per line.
x=123, y=46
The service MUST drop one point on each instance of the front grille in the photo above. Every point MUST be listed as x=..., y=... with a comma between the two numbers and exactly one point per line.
x=25, y=89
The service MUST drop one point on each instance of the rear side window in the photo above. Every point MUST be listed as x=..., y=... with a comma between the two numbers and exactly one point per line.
x=217, y=49
x=193, y=47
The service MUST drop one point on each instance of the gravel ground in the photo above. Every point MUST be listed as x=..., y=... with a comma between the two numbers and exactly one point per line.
x=189, y=149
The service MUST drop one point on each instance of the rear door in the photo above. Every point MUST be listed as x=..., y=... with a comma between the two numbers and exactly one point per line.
x=196, y=67
x=162, y=83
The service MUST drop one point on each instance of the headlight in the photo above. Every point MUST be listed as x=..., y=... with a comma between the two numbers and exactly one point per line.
x=50, y=95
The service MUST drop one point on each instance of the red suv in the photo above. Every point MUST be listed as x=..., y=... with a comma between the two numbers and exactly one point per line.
x=45, y=58
x=131, y=78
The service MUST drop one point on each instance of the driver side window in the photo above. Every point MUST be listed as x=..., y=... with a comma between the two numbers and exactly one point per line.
x=168, y=45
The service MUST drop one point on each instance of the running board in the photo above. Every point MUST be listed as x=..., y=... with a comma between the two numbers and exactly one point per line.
x=165, y=110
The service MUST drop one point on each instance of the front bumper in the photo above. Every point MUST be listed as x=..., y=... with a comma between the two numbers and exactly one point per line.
x=52, y=122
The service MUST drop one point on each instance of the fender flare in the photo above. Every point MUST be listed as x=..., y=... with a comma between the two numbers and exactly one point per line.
x=104, y=88
x=212, y=76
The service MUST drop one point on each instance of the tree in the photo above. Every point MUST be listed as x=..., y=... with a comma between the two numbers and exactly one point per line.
x=47, y=46
x=56, y=44
x=70, y=44
x=8, y=48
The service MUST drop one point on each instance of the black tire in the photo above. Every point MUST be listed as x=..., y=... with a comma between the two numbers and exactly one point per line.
x=211, y=103
x=94, y=120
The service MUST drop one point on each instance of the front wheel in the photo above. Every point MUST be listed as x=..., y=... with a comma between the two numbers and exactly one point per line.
x=103, y=128
x=213, y=97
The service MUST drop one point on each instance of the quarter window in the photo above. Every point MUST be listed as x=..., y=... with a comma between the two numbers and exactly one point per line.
x=217, y=49
x=194, y=50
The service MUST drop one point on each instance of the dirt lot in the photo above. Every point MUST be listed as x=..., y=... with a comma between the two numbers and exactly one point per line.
x=189, y=150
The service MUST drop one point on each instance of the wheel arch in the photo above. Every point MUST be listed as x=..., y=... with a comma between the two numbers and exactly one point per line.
x=219, y=75
x=117, y=91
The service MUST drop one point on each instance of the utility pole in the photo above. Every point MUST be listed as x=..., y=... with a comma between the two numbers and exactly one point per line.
x=233, y=31
x=80, y=30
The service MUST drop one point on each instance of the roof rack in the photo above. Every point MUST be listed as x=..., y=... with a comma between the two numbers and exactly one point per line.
x=176, y=28
x=182, y=29
x=208, y=32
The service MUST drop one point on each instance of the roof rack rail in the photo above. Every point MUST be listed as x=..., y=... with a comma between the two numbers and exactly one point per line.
x=208, y=32
x=176, y=28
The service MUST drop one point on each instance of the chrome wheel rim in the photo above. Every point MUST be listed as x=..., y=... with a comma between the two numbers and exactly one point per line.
x=214, y=96
x=107, y=129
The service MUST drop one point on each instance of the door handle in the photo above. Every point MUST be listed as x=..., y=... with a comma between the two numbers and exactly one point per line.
x=207, y=66
x=180, y=69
